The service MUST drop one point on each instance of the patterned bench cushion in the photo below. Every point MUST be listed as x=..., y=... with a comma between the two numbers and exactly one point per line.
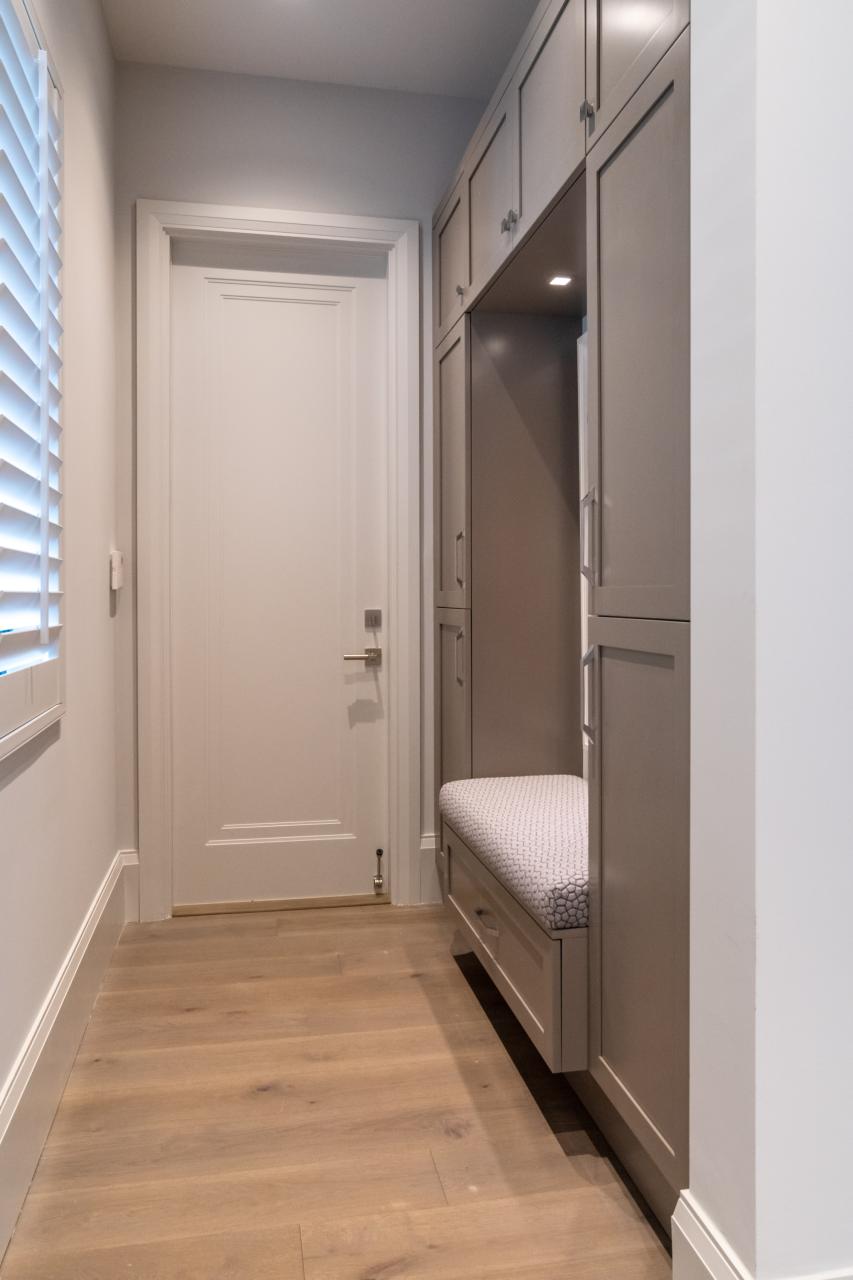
x=533, y=835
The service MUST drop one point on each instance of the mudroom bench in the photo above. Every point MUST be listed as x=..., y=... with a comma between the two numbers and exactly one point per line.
x=516, y=873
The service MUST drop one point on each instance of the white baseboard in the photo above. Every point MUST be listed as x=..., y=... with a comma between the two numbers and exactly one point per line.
x=429, y=886
x=31, y=1093
x=701, y=1252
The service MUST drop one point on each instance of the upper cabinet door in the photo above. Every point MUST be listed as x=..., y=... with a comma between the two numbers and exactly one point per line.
x=636, y=517
x=452, y=447
x=625, y=39
x=450, y=261
x=491, y=215
x=548, y=94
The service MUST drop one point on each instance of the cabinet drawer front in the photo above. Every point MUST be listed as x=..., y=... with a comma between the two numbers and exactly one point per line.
x=639, y=350
x=522, y=960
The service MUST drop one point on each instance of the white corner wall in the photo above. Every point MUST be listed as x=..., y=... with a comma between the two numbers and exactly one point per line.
x=771, y=1181
x=247, y=140
x=804, y=638
x=57, y=794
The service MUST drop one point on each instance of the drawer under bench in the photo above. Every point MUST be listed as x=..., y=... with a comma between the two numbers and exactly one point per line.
x=542, y=975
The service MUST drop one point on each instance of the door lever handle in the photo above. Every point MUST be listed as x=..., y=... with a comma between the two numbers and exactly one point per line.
x=370, y=657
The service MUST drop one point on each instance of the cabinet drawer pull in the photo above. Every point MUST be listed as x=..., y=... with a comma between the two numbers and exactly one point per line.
x=587, y=110
x=460, y=558
x=587, y=530
x=460, y=291
x=589, y=713
x=460, y=649
x=481, y=913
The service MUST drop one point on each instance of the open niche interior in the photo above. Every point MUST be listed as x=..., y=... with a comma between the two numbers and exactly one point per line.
x=526, y=615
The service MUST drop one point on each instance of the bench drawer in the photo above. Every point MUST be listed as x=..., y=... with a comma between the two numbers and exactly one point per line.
x=523, y=961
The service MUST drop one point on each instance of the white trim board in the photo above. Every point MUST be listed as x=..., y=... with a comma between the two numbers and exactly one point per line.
x=157, y=223
x=33, y=1088
x=701, y=1252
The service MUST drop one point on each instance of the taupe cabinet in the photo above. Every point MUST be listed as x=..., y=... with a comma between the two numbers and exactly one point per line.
x=491, y=216
x=452, y=444
x=638, y=709
x=546, y=93
x=624, y=41
x=453, y=695
x=525, y=152
x=451, y=273
x=636, y=521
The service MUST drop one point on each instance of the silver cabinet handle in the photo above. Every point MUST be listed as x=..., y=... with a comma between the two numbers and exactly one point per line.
x=587, y=110
x=586, y=531
x=504, y=224
x=512, y=218
x=370, y=657
x=460, y=291
x=590, y=711
x=460, y=558
x=460, y=649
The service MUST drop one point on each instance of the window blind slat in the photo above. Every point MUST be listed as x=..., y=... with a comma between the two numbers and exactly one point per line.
x=22, y=491
x=30, y=356
x=21, y=532
x=19, y=242
x=24, y=55
x=23, y=115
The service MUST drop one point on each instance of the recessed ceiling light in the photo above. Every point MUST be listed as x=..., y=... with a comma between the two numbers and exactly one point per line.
x=560, y=280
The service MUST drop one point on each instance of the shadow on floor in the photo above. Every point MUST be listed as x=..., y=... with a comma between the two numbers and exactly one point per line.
x=552, y=1093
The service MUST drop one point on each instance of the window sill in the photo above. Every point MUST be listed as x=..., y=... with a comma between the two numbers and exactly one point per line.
x=12, y=742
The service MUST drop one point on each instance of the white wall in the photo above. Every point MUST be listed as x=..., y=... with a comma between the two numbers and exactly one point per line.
x=722, y=1115
x=57, y=808
x=244, y=140
x=772, y=857
x=804, y=638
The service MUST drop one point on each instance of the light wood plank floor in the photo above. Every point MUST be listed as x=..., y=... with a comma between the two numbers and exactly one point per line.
x=318, y=1095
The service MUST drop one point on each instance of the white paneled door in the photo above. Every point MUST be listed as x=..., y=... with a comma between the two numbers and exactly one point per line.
x=279, y=546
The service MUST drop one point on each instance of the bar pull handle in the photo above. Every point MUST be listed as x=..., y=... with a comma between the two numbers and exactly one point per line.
x=460, y=557
x=589, y=713
x=586, y=532
x=460, y=650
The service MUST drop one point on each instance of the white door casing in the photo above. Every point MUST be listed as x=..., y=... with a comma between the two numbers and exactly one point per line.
x=158, y=223
x=279, y=543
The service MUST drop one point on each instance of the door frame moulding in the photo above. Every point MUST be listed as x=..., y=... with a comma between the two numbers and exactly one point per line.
x=158, y=223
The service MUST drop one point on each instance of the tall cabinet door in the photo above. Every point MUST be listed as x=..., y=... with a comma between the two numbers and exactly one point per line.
x=624, y=41
x=491, y=215
x=548, y=89
x=452, y=450
x=636, y=518
x=453, y=695
x=450, y=270
x=638, y=696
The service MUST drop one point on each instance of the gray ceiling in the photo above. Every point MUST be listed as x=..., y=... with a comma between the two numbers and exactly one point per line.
x=455, y=48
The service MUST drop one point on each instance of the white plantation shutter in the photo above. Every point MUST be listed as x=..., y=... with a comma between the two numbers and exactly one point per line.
x=30, y=383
